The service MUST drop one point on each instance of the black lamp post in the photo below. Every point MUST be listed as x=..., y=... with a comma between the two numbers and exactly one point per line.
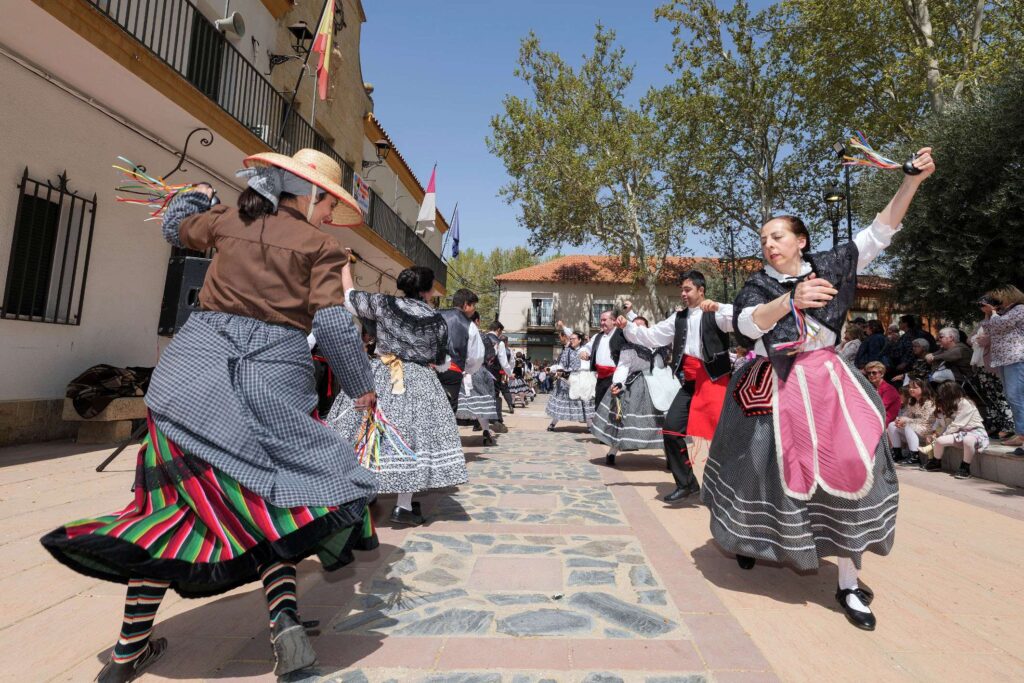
x=840, y=150
x=834, y=197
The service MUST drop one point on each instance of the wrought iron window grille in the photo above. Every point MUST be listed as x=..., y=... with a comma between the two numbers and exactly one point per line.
x=50, y=250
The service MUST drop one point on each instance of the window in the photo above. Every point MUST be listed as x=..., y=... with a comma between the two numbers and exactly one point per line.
x=596, y=309
x=542, y=310
x=49, y=253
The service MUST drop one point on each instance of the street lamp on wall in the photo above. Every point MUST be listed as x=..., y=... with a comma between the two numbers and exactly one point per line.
x=834, y=198
x=382, y=148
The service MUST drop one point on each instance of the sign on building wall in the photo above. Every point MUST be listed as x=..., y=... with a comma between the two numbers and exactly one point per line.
x=361, y=192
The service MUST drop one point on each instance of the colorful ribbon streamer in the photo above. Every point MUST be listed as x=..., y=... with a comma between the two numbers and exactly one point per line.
x=872, y=158
x=151, y=192
x=806, y=331
x=375, y=432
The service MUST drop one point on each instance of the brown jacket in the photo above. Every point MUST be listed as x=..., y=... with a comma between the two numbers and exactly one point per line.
x=279, y=269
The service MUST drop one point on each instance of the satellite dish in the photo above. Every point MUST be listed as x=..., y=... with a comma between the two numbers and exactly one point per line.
x=233, y=24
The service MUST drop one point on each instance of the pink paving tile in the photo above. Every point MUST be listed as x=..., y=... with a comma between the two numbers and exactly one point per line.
x=723, y=643
x=528, y=501
x=516, y=574
x=392, y=651
x=636, y=655
x=490, y=653
x=745, y=677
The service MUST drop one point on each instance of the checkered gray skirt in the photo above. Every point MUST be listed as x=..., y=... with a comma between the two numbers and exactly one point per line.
x=561, y=407
x=423, y=416
x=478, y=403
x=240, y=393
x=751, y=515
x=634, y=424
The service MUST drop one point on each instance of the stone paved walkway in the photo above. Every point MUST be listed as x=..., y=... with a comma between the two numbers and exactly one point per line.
x=547, y=566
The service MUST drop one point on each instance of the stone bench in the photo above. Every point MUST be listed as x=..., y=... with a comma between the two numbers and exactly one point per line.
x=994, y=464
x=112, y=424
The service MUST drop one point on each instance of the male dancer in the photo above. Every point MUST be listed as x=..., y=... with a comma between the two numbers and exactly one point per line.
x=604, y=349
x=497, y=363
x=700, y=357
x=465, y=347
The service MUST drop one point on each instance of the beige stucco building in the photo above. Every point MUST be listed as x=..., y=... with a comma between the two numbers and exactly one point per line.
x=87, y=81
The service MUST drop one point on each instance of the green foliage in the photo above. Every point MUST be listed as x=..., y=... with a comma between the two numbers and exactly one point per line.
x=964, y=234
x=586, y=166
x=475, y=270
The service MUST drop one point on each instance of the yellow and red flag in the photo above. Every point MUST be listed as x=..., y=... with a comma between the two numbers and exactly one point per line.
x=322, y=46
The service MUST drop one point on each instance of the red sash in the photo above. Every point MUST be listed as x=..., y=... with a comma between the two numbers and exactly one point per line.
x=604, y=371
x=454, y=367
x=708, y=398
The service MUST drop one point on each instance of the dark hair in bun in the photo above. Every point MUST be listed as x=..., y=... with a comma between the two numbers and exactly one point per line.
x=416, y=280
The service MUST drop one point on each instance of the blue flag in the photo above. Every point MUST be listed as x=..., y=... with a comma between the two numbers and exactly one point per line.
x=455, y=233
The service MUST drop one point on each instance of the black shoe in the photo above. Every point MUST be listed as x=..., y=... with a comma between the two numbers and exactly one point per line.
x=913, y=460
x=964, y=472
x=511, y=410
x=898, y=455
x=745, y=562
x=933, y=465
x=682, y=492
x=1017, y=451
x=609, y=459
x=862, y=620
x=292, y=650
x=129, y=671
x=551, y=428
x=407, y=517
x=488, y=439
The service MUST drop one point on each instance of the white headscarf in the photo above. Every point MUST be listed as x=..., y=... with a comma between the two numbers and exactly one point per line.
x=271, y=182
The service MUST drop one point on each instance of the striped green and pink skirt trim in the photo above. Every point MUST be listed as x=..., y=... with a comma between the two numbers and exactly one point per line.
x=195, y=526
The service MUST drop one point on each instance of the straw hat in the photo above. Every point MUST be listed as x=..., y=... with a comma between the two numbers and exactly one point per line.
x=321, y=170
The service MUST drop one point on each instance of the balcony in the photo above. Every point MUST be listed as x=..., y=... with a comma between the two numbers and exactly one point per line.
x=177, y=33
x=539, y=320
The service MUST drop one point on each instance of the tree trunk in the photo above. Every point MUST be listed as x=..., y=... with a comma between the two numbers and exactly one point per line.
x=920, y=20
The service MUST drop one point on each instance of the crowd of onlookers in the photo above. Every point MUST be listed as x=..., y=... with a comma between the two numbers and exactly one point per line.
x=959, y=390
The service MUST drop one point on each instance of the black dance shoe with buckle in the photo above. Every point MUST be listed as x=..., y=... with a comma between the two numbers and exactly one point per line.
x=113, y=672
x=406, y=517
x=862, y=620
x=745, y=562
x=682, y=492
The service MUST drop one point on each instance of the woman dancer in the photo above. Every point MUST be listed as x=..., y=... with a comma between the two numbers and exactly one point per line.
x=477, y=396
x=560, y=406
x=237, y=480
x=412, y=339
x=627, y=420
x=798, y=469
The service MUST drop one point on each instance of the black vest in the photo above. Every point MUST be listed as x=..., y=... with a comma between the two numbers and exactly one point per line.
x=838, y=266
x=458, y=335
x=615, y=344
x=491, y=362
x=714, y=344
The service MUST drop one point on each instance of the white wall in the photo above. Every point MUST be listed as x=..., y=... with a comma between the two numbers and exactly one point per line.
x=572, y=301
x=50, y=131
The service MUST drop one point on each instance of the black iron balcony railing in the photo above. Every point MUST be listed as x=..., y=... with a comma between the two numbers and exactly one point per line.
x=539, y=319
x=184, y=39
x=389, y=225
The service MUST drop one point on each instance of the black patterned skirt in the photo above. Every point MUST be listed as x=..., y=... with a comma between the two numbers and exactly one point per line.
x=629, y=421
x=752, y=515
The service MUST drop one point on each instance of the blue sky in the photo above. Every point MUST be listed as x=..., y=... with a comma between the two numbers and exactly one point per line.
x=441, y=69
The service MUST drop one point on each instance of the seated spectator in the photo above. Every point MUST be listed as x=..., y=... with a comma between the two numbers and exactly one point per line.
x=919, y=368
x=852, y=336
x=1004, y=325
x=875, y=372
x=953, y=356
x=871, y=348
x=959, y=425
x=914, y=425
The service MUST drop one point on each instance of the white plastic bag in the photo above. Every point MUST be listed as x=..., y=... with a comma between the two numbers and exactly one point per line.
x=663, y=386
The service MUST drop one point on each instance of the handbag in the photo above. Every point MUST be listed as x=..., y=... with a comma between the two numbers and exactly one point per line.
x=582, y=386
x=663, y=387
